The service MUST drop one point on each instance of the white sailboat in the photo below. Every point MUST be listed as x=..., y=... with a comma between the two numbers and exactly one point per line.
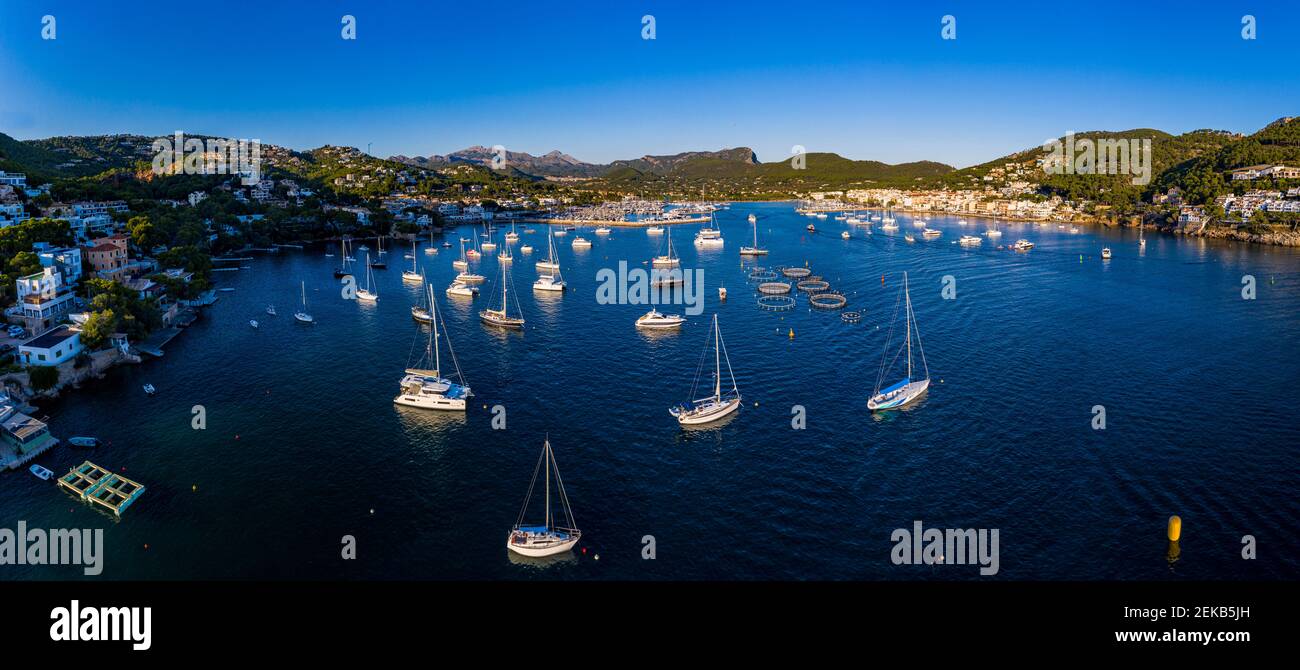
x=425, y=387
x=668, y=260
x=549, y=279
x=552, y=262
x=366, y=294
x=754, y=250
x=501, y=317
x=712, y=407
x=709, y=237
x=413, y=275
x=908, y=390
x=301, y=315
x=461, y=263
x=432, y=248
x=512, y=236
x=546, y=538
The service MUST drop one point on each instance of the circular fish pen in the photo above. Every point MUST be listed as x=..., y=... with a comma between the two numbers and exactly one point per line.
x=776, y=303
x=774, y=288
x=851, y=317
x=760, y=274
x=796, y=273
x=813, y=286
x=828, y=301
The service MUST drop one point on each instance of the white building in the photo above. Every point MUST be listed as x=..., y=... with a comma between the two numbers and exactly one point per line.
x=13, y=179
x=67, y=260
x=53, y=347
x=197, y=197
x=43, y=299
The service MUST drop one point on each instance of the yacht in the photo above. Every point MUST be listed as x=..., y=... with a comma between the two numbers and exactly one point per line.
x=908, y=390
x=501, y=317
x=461, y=289
x=668, y=260
x=708, y=237
x=654, y=230
x=845, y=235
x=602, y=230
x=930, y=232
x=1023, y=245
x=425, y=387
x=655, y=320
x=718, y=404
x=301, y=315
x=549, y=283
x=366, y=294
x=412, y=275
x=970, y=241
x=581, y=242
x=546, y=538
x=470, y=278
x=552, y=262
x=1105, y=253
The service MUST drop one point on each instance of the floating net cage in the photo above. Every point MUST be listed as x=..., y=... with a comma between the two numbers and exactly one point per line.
x=776, y=303
x=796, y=273
x=851, y=317
x=828, y=301
x=813, y=286
x=774, y=288
x=761, y=274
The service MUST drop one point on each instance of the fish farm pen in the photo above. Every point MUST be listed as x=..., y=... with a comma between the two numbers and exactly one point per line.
x=776, y=303
x=851, y=317
x=759, y=274
x=94, y=484
x=813, y=286
x=796, y=272
x=830, y=300
x=773, y=288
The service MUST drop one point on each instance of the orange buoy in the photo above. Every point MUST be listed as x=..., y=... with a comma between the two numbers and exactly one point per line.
x=1175, y=529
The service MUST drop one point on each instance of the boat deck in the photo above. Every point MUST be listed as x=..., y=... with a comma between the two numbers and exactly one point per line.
x=94, y=484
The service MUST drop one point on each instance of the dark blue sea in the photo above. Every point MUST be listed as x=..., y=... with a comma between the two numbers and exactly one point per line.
x=304, y=446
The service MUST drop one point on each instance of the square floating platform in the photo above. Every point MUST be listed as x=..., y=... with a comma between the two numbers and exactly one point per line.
x=97, y=485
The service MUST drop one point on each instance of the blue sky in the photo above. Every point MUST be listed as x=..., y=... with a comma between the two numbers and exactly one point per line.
x=866, y=79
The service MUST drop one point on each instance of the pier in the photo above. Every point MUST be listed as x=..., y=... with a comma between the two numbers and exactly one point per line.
x=153, y=344
x=96, y=485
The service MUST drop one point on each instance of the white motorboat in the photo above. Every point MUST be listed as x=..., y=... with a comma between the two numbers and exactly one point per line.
x=970, y=241
x=930, y=232
x=581, y=242
x=462, y=290
x=546, y=538
x=252, y=322
x=602, y=230
x=1023, y=245
x=655, y=320
x=718, y=405
x=549, y=283
x=270, y=310
x=526, y=249
x=845, y=235
x=1105, y=253
x=654, y=230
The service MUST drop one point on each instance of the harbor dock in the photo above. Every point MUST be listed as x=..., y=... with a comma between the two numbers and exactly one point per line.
x=96, y=485
x=153, y=344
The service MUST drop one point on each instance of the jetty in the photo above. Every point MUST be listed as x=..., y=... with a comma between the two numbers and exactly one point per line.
x=96, y=485
x=153, y=344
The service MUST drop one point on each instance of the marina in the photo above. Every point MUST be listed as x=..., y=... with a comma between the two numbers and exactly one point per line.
x=988, y=442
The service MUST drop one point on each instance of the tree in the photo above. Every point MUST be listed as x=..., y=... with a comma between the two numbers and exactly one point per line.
x=24, y=263
x=98, y=328
x=43, y=377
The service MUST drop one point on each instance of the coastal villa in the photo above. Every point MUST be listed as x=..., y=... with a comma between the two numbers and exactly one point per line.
x=43, y=300
x=67, y=260
x=1266, y=170
x=109, y=257
x=54, y=347
x=22, y=437
x=12, y=213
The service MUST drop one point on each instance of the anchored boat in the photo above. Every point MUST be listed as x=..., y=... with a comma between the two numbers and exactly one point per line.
x=425, y=387
x=546, y=538
x=908, y=390
x=718, y=405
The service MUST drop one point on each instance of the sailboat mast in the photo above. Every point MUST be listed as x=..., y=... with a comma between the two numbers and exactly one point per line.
x=548, y=485
x=717, y=360
x=433, y=335
x=908, y=296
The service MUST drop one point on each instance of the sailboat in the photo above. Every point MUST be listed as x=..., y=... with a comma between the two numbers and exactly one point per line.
x=754, y=250
x=501, y=317
x=710, y=236
x=378, y=263
x=301, y=315
x=907, y=390
x=668, y=260
x=512, y=236
x=552, y=263
x=366, y=294
x=547, y=538
x=345, y=269
x=1142, y=241
x=461, y=263
x=712, y=407
x=425, y=387
x=488, y=246
x=505, y=256
x=433, y=247
x=412, y=275
x=548, y=278
x=422, y=313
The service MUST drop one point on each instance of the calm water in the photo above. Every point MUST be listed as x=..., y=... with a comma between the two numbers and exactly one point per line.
x=304, y=445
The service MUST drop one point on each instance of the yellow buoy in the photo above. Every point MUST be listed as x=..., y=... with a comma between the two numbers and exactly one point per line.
x=792, y=333
x=1175, y=528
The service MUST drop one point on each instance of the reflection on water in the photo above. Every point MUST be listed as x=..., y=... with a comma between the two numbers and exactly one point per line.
x=542, y=562
x=428, y=425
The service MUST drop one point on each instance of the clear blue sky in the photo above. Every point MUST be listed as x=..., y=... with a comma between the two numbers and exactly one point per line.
x=866, y=79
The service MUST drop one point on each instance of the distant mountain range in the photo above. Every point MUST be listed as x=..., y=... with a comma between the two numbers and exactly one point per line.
x=1195, y=161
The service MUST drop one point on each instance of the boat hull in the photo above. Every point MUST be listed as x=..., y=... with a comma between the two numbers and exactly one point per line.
x=714, y=413
x=431, y=402
x=540, y=550
x=903, y=397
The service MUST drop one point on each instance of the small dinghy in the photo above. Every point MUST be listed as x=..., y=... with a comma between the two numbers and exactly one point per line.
x=43, y=473
x=149, y=389
x=252, y=322
x=84, y=442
